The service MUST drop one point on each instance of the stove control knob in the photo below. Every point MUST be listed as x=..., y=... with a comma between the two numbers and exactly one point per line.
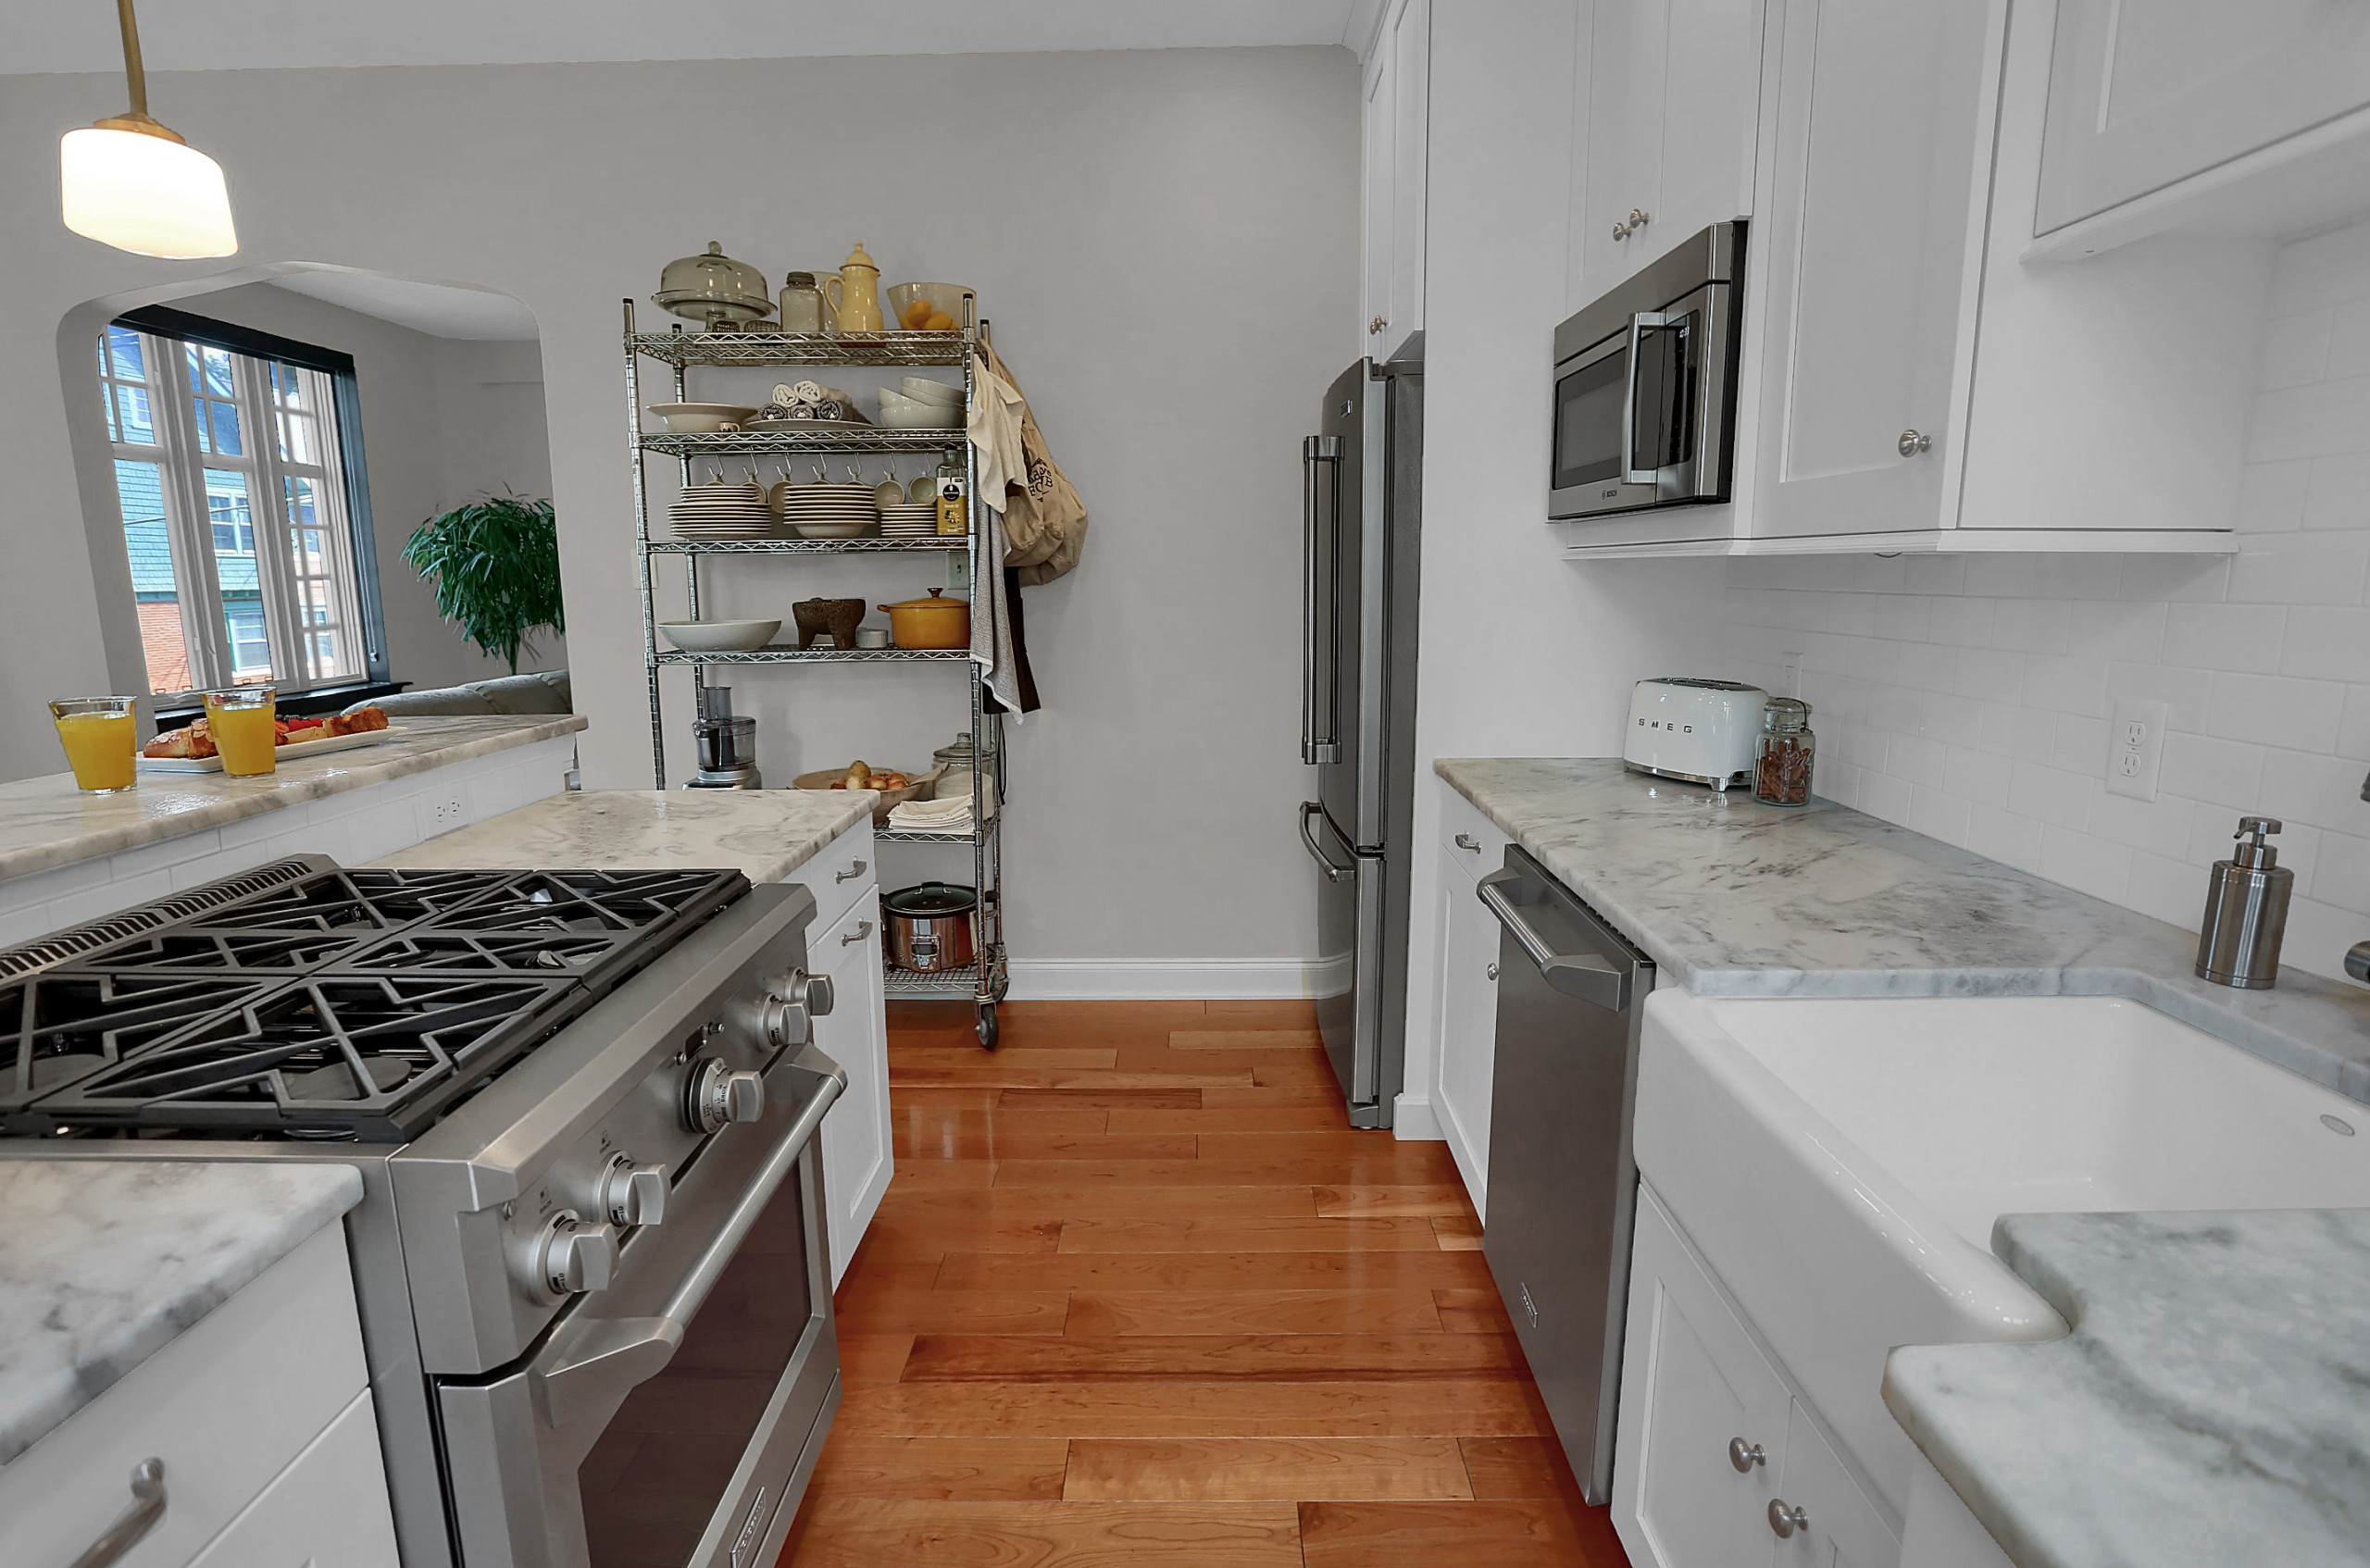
x=575, y=1254
x=792, y=1001
x=633, y=1193
x=714, y=1095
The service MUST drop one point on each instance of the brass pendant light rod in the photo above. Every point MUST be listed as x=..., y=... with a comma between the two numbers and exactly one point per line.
x=135, y=77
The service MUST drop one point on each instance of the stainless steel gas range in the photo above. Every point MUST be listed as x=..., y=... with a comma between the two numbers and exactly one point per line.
x=590, y=1257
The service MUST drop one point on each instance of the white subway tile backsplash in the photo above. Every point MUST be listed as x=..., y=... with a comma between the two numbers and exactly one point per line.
x=2226, y=637
x=2327, y=643
x=2276, y=710
x=2202, y=767
x=1967, y=697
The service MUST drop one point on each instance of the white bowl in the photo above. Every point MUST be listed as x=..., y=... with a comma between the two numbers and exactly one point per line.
x=920, y=417
x=829, y=530
x=718, y=636
x=928, y=391
x=695, y=418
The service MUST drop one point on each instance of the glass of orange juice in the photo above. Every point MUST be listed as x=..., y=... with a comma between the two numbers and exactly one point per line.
x=99, y=737
x=239, y=720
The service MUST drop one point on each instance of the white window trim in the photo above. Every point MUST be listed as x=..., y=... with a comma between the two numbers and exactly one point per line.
x=172, y=409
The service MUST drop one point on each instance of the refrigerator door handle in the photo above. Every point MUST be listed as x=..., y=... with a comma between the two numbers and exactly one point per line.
x=1333, y=873
x=1586, y=976
x=1316, y=748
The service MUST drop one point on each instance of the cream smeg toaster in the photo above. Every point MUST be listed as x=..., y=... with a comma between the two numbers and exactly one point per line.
x=1700, y=730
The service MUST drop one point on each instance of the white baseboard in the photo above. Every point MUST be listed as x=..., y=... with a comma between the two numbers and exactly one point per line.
x=1412, y=1119
x=1200, y=980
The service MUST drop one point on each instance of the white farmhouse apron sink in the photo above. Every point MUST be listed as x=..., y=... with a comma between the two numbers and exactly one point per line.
x=1840, y=1163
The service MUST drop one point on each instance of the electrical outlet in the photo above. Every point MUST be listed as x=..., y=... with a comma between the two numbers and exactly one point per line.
x=2135, y=749
x=958, y=571
x=444, y=812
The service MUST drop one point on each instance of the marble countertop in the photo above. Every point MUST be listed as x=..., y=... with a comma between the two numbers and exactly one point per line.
x=103, y=1263
x=766, y=834
x=1734, y=898
x=2211, y=1407
x=45, y=822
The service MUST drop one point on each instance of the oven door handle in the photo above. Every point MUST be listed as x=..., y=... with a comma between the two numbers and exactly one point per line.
x=1640, y=323
x=592, y=1365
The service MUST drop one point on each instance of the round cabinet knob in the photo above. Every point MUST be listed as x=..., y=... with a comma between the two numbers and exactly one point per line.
x=1744, y=1456
x=1491, y=972
x=1785, y=1520
x=1377, y=325
x=573, y=1254
x=1914, y=442
x=633, y=1193
x=714, y=1095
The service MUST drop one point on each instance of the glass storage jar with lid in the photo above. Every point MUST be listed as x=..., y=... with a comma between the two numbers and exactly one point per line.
x=1781, y=768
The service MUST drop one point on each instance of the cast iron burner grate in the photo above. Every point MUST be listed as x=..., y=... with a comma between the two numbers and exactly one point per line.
x=346, y=1005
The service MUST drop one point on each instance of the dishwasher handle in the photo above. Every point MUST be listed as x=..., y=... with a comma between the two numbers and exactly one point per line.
x=1586, y=976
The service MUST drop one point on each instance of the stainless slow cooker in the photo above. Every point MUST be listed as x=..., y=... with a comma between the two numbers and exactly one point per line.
x=929, y=926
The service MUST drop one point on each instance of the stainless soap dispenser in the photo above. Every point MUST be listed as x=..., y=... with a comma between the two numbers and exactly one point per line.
x=2246, y=911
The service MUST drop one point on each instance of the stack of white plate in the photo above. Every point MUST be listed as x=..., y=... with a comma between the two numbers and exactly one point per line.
x=909, y=520
x=830, y=511
x=721, y=511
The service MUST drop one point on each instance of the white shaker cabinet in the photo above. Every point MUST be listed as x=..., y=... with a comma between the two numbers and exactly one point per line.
x=1396, y=130
x=2148, y=96
x=858, y=1162
x=1672, y=104
x=1865, y=290
x=1717, y=1455
x=1465, y=1021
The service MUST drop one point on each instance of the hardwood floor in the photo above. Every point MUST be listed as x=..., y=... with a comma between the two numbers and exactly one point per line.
x=1138, y=1298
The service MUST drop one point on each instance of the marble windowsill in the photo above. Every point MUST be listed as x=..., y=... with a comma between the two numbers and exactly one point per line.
x=766, y=834
x=1733, y=898
x=2209, y=1407
x=46, y=823
x=103, y=1263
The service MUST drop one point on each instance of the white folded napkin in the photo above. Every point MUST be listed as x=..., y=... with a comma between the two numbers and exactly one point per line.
x=951, y=815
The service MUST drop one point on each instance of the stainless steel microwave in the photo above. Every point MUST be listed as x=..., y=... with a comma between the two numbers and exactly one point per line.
x=1646, y=385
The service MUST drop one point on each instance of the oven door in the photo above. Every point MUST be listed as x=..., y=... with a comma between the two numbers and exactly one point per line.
x=674, y=1417
x=1641, y=416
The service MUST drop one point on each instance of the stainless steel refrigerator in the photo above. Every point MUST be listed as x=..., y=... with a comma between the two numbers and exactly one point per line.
x=1362, y=502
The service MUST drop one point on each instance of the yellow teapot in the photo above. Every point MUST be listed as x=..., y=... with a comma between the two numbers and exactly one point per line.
x=854, y=292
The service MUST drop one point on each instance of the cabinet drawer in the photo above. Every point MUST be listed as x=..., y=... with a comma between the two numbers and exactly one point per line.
x=1472, y=839
x=1840, y=1527
x=328, y=1510
x=227, y=1407
x=838, y=875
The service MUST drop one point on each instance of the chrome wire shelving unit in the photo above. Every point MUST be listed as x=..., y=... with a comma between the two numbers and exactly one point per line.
x=986, y=980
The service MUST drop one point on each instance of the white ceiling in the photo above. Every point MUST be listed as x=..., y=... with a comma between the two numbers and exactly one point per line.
x=435, y=309
x=79, y=35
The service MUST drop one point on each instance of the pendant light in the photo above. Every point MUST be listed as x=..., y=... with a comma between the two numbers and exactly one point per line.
x=130, y=182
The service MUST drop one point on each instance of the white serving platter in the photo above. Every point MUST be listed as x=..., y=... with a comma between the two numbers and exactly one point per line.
x=280, y=753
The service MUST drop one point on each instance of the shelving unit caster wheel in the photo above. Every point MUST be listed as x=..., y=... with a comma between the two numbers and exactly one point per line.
x=988, y=1024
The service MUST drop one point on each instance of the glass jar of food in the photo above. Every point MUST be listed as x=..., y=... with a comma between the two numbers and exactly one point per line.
x=1781, y=768
x=802, y=304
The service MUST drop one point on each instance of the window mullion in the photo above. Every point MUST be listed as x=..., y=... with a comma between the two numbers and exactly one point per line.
x=187, y=519
x=337, y=522
x=273, y=559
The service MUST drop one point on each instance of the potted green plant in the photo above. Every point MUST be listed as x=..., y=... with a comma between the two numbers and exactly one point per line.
x=494, y=565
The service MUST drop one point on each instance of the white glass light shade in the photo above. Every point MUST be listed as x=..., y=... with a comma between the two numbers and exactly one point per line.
x=144, y=194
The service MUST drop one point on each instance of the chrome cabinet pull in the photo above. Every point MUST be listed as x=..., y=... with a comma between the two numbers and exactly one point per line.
x=1637, y=221
x=134, y=1523
x=1913, y=443
x=862, y=930
x=1744, y=1456
x=855, y=870
x=1467, y=841
x=1491, y=972
x=1785, y=1520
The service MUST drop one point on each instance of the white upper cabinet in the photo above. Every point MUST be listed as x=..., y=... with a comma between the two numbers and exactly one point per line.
x=2147, y=96
x=1879, y=137
x=1396, y=123
x=1672, y=101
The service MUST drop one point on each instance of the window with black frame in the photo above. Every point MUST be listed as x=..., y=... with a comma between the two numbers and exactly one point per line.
x=237, y=465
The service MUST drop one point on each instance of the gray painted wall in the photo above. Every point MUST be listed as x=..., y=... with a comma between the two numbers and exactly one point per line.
x=1166, y=241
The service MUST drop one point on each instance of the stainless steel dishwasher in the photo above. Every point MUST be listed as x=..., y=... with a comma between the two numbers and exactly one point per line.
x=1562, y=1185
